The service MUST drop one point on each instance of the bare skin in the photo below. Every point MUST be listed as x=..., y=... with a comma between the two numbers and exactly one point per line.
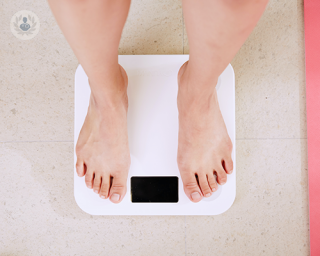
x=102, y=149
x=93, y=29
x=216, y=30
x=204, y=145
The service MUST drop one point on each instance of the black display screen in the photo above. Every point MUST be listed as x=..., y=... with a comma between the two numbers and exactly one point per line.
x=154, y=189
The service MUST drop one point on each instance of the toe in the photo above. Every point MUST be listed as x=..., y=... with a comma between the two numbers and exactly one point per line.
x=96, y=183
x=221, y=175
x=118, y=188
x=80, y=167
x=105, y=186
x=89, y=178
x=212, y=182
x=204, y=185
x=191, y=187
x=228, y=165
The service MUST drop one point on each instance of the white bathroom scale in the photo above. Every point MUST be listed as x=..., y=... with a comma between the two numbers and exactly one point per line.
x=154, y=185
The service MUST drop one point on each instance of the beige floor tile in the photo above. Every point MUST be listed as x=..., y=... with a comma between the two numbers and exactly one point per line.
x=269, y=68
x=37, y=76
x=270, y=213
x=36, y=79
x=153, y=27
x=186, y=48
x=39, y=216
x=301, y=71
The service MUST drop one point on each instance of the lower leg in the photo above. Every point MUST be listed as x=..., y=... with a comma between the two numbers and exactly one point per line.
x=93, y=29
x=216, y=30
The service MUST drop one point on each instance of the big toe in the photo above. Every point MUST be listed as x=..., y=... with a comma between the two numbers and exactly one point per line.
x=118, y=188
x=191, y=187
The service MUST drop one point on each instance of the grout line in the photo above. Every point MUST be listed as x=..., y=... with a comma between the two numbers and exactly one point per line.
x=182, y=31
x=40, y=141
x=185, y=235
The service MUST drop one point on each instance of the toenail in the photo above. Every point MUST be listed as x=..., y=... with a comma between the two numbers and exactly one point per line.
x=214, y=189
x=223, y=182
x=89, y=186
x=115, y=197
x=96, y=191
x=103, y=197
x=209, y=194
x=195, y=196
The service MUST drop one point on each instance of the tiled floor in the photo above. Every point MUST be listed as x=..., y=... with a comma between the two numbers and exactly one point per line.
x=38, y=214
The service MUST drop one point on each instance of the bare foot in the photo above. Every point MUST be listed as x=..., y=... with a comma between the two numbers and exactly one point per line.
x=204, y=148
x=102, y=148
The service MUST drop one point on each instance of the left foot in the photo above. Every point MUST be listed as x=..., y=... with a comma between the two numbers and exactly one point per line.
x=204, y=148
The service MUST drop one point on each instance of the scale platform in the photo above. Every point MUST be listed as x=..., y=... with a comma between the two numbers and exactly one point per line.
x=153, y=140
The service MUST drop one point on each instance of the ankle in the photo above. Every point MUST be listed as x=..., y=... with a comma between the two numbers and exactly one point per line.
x=203, y=70
x=109, y=91
x=190, y=104
x=196, y=81
x=197, y=92
x=106, y=102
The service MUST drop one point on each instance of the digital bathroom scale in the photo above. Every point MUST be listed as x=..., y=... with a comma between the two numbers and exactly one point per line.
x=154, y=185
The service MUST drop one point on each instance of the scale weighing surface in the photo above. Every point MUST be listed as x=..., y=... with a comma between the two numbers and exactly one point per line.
x=153, y=137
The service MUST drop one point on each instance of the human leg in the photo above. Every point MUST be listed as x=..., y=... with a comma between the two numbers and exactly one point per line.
x=216, y=30
x=93, y=29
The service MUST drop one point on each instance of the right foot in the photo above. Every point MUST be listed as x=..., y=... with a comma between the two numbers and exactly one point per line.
x=102, y=148
x=204, y=146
